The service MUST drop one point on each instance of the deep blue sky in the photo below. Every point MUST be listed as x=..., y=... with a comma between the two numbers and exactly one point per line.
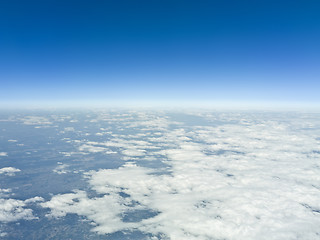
x=160, y=50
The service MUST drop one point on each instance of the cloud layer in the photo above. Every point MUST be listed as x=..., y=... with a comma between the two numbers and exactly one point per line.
x=252, y=176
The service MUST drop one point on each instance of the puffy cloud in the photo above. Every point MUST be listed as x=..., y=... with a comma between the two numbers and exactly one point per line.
x=5, y=192
x=251, y=176
x=9, y=171
x=35, y=120
x=34, y=200
x=3, y=154
x=101, y=210
x=13, y=210
x=133, y=148
x=92, y=149
x=61, y=168
x=134, y=152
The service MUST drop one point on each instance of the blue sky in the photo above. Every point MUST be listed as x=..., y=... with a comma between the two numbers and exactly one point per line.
x=162, y=51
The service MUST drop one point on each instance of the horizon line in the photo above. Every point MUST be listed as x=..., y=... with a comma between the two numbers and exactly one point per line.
x=162, y=104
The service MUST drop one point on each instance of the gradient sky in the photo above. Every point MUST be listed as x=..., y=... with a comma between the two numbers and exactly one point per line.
x=116, y=50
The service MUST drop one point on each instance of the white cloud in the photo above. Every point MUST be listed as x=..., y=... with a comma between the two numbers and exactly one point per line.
x=132, y=148
x=134, y=152
x=79, y=203
x=256, y=177
x=13, y=210
x=69, y=129
x=35, y=120
x=3, y=154
x=34, y=200
x=61, y=168
x=5, y=192
x=9, y=171
x=92, y=149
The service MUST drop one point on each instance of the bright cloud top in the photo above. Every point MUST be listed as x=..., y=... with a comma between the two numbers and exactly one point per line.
x=9, y=171
x=3, y=154
x=61, y=168
x=253, y=177
x=13, y=210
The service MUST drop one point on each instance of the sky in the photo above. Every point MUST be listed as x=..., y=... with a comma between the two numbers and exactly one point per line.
x=159, y=51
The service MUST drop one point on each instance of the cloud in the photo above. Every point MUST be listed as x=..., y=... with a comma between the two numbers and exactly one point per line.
x=5, y=192
x=134, y=152
x=61, y=168
x=35, y=120
x=99, y=210
x=69, y=129
x=13, y=210
x=131, y=148
x=251, y=176
x=3, y=154
x=34, y=200
x=92, y=149
x=9, y=171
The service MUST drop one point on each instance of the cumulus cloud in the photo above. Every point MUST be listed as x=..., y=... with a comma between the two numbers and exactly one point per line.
x=34, y=200
x=13, y=210
x=92, y=149
x=134, y=152
x=131, y=148
x=3, y=154
x=5, y=192
x=9, y=171
x=61, y=168
x=35, y=120
x=99, y=210
x=251, y=176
